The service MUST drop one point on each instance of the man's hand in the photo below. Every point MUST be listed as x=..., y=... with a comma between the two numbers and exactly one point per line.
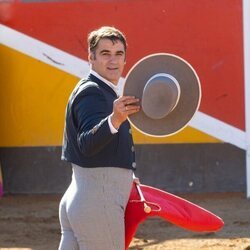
x=122, y=108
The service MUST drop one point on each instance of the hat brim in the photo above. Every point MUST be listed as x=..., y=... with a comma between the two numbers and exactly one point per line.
x=190, y=93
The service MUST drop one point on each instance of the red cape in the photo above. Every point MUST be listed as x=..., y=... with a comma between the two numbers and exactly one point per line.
x=170, y=207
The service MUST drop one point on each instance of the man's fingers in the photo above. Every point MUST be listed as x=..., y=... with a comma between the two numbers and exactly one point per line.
x=130, y=112
x=132, y=108
x=127, y=102
x=124, y=98
x=126, y=105
x=131, y=101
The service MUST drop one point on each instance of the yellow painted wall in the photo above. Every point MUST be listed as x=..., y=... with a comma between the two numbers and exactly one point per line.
x=187, y=135
x=32, y=99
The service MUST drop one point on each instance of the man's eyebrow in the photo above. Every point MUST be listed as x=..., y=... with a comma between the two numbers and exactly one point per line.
x=105, y=51
x=120, y=52
x=108, y=51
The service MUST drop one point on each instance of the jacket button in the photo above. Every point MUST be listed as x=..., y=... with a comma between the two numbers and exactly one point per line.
x=130, y=131
x=133, y=164
x=133, y=149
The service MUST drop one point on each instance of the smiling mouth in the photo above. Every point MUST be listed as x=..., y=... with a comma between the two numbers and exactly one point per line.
x=112, y=68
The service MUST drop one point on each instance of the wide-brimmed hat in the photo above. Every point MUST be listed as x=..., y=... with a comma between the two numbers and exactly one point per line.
x=169, y=92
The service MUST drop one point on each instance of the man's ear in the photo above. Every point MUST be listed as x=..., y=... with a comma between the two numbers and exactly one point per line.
x=91, y=56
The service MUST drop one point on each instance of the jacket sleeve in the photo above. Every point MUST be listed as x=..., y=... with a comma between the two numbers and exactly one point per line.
x=91, y=118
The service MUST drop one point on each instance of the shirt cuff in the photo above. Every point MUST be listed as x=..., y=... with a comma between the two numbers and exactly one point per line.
x=112, y=129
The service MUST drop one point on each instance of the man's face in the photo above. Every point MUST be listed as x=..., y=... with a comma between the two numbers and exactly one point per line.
x=109, y=59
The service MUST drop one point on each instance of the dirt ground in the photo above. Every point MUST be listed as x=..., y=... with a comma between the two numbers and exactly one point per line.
x=31, y=222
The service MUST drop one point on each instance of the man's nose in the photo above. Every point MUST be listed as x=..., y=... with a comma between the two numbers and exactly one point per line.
x=113, y=59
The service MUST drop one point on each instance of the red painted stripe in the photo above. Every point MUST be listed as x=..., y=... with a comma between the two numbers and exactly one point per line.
x=206, y=33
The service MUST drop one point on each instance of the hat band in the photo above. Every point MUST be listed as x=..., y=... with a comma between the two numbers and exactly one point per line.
x=160, y=95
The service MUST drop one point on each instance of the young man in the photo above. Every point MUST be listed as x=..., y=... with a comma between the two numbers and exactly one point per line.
x=98, y=143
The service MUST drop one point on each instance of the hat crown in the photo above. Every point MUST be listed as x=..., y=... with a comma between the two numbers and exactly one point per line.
x=160, y=95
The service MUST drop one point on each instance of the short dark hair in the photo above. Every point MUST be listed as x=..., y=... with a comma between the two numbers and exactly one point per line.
x=105, y=32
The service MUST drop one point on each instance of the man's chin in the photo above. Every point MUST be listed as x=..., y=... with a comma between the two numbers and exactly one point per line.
x=114, y=80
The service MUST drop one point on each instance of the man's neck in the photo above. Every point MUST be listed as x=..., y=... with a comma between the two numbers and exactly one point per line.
x=110, y=84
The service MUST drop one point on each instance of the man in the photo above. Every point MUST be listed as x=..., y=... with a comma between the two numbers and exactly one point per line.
x=98, y=143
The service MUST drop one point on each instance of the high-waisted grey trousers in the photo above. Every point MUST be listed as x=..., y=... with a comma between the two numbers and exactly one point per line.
x=91, y=211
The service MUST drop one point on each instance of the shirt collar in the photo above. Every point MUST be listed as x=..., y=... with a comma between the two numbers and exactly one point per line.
x=110, y=84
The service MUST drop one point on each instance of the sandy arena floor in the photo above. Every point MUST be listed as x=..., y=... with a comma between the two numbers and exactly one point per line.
x=31, y=222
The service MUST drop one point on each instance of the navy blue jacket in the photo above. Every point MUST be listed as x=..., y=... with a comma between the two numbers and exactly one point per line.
x=88, y=141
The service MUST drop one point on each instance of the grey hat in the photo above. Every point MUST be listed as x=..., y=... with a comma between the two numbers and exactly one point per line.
x=169, y=90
